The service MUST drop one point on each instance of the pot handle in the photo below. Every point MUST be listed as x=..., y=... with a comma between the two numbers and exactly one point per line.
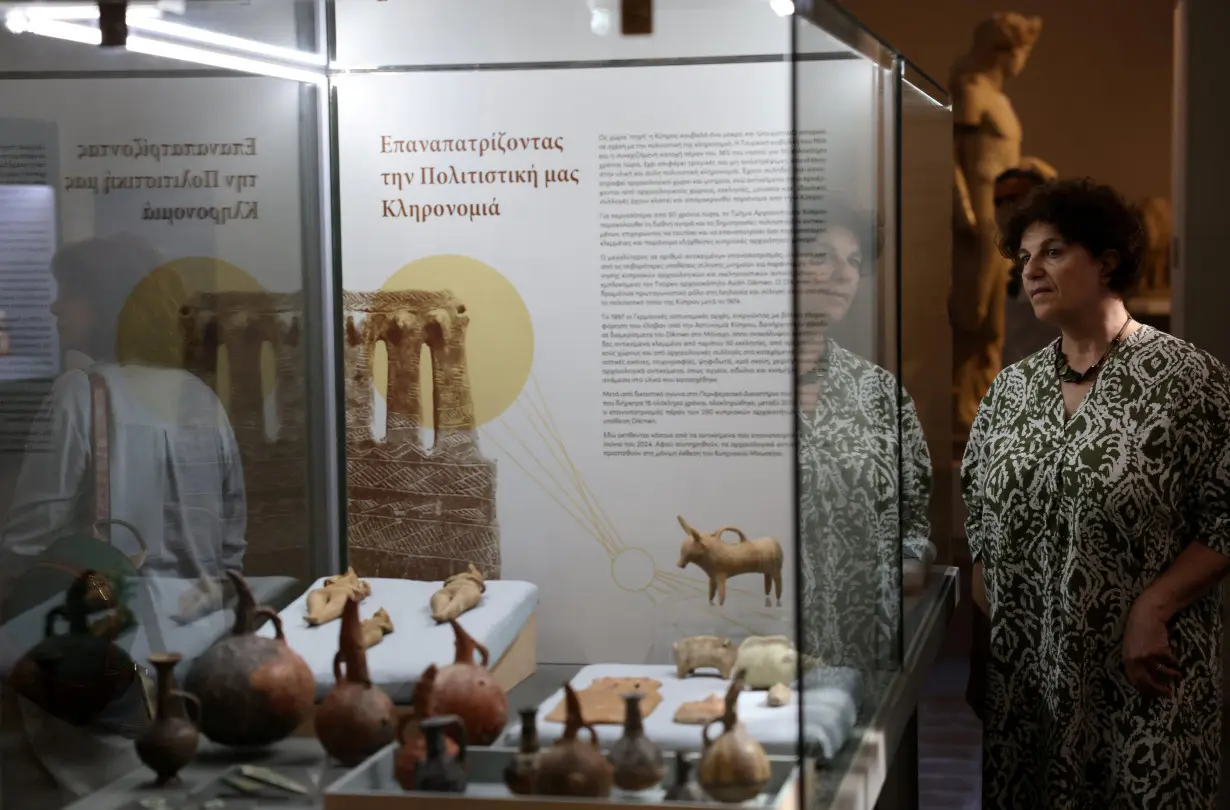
x=704, y=732
x=272, y=615
x=137, y=559
x=337, y=667
x=192, y=705
x=742, y=537
x=483, y=652
x=593, y=734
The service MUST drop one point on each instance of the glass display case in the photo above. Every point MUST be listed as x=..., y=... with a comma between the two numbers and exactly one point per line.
x=599, y=344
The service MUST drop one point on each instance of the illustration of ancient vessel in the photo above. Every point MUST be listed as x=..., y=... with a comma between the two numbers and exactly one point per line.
x=416, y=512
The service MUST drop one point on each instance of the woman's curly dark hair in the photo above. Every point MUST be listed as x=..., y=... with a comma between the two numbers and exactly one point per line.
x=1086, y=213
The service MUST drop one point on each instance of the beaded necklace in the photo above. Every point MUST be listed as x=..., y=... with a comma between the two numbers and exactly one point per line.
x=1070, y=375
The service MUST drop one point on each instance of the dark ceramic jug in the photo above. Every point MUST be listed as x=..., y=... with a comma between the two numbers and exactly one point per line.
x=171, y=741
x=686, y=788
x=521, y=774
x=77, y=675
x=638, y=762
x=440, y=772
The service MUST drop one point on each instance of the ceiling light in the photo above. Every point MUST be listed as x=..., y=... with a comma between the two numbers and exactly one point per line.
x=783, y=8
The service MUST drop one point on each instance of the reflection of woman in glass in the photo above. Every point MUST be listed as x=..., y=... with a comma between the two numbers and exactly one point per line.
x=849, y=449
x=174, y=465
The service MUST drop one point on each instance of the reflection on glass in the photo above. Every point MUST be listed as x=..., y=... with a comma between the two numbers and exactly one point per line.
x=848, y=458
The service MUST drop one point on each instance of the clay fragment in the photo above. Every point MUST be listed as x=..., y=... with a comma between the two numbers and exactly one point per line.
x=700, y=712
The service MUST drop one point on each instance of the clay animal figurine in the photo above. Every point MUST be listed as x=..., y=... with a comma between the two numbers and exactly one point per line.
x=254, y=691
x=686, y=788
x=572, y=767
x=779, y=695
x=521, y=773
x=440, y=771
x=327, y=602
x=638, y=762
x=704, y=652
x=767, y=660
x=733, y=767
x=721, y=560
x=356, y=719
x=460, y=593
x=412, y=749
x=171, y=741
x=468, y=690
x=376, y=628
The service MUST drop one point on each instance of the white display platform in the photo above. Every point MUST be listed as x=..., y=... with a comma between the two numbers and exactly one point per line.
x=156, y=600
x=831, y=710
x=507, y=608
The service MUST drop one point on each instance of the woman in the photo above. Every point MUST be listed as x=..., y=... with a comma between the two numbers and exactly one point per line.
x=850, y=457
x=174, y=470
x=1097, y=479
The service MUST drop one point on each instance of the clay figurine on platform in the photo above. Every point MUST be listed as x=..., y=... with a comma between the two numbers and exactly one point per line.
x=460, y=593
x=376, y=628
x=327, y=602
x=704, y=652
x=721, y=560
x=767, y=660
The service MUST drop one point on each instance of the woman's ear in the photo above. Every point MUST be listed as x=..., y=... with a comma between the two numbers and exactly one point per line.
x=1110, y=263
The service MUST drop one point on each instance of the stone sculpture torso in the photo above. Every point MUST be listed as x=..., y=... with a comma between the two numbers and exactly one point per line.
x=987, y=142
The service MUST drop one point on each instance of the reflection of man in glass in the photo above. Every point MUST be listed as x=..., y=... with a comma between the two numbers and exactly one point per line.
x=848, y=461
x=174, y=464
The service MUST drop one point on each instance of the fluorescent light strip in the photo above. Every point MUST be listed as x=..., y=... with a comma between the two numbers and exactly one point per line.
x=200, y=56
x=191, y=33
x=169, y=50
x=68, y=13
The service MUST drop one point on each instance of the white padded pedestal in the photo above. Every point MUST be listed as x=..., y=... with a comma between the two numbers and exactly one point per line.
x=416, y=642
x=831, y=710
x=154, y=601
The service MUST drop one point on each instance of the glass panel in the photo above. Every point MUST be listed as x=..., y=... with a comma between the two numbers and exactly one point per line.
x=855, y=515
x=160, y=274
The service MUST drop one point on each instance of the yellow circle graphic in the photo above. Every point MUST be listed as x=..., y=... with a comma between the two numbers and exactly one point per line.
x=150, y=328
x=499, y=340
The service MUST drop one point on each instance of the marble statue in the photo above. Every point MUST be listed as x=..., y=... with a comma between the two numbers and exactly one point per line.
x=987, y=141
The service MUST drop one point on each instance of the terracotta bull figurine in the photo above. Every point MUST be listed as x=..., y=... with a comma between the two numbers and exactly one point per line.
x=721, y=560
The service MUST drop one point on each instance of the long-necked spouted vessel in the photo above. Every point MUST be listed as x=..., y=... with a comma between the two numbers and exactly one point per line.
x=467, y=689
x=357, y=718
x=254, y=691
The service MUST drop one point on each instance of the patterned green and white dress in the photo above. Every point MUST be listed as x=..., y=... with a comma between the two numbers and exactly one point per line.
x=1073, y=518
x=852, y=542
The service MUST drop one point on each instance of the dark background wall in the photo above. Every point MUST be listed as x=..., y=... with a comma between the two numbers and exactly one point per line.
x=1095, y=97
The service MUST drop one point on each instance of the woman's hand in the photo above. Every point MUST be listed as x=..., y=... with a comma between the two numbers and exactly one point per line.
x=1147, y=658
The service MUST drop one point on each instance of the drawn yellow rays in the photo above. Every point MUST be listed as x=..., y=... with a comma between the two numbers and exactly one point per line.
x=544, y=459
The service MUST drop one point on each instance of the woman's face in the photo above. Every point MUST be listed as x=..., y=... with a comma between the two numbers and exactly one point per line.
x=74, y=316
x=829, y=270
x=1061, y=279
